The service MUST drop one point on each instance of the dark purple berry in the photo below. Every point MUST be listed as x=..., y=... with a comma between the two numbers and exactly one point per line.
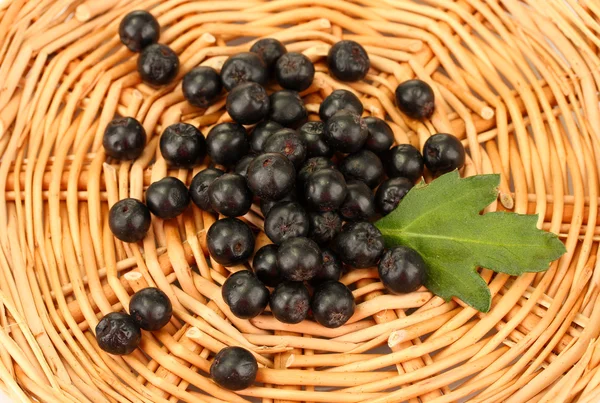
x=270, y=50
x=313, y=165
x=261, y=133
x=299, y=259
x=248, y=103
x=359, y=244
x=243, y=67
x=390, y=193
x=331, y=269
x=346, y=132
x=290, y=302
x=227, y=143
x=167, y=198
x=230, y=241
x=139, y=29
x=287, y=108
x=340, y=100
x=124, y=139
x=313, y=134
x=324, y=226
x=265, y=267
x=381, y=136
x=150, y=308
x=443, y=153
x=286, y=220
x=199, y=187
x=402, y=270
x=294, y=71
x=234, y=368
x=229, y=195
x=271, y=176
x=202, y=86
x=182, y=145
x=157, y=64
x=363, y=166
x=348, y=61
x=359, y=204
x=325, y=190
x=405, y=161
x=245, y=295
x=332, y=304
x=415, y=98
x=129, y=220
x=288, y=143
x=118, y=334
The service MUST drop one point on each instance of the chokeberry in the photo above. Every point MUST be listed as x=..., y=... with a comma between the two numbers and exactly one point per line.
x=157, y=64
x=288, y=143
x=243, y=67
x=299, y=259
x=346, y=131
x=248, y=103
x=271, y=176
x=167, y=198
x=150, y=308
x=270, y=50
x=234, y=368
x=324, y=226
x=402, y=270
x=202, y=86
x=359, y=244
x=139, y=29
x=241, y=168
x=265, y=267
x=182, y=145
x=227, y=143
x=261, y=133
x=363, y=166
x=348, y=61
x=287, y=109
x=415, y=98
x=267, y=205
x=229, y=195
x=286, y=220
x=405, y=161
x=359, y=204
x=118, y=334
x=390, y=193
x=230, y=241
x=325, y=190
x=199, y=187
x=313, y=165
x=129, y=220
x=381, y=136
x=245, y=295
x=313, y=134
x=443, y=153
x=290, y=302
x=332, y=304
x=340, y=100
x=124, y=139
x=294, y=71
x=331, y=270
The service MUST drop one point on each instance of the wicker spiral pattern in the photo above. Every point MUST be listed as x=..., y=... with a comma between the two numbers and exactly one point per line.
x=516, y=80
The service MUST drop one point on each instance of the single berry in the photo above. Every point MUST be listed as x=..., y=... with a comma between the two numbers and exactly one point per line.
x=271, y=176
x=167, y=198
x=299, y=259
x=325, y=190
x=402, y=270
x=248, y=103
x=182, y=145
x=359, y=244
x=227, y=143
x=340, y=100
x=286, y=220
x=230, y=241
x=443, y=153
x=234, y=368
x=294, y=71
x=118, y=334
x=267, y=205
x=139, y=29
x=415, y=98
x=390, y=193
x=243, y=67
x=150, y=308
x=313, y=134
x=129, y=220
x=265, y=267
x=261, y=133
x=288, y=143
x=332, y=304
x=331, y=269
x=290, y=302
x=405, y=161
x=324, y=226
x=348, y=61
x=359, y=204
x=241, y=168
x=124, y=139
x=270, y=50
x=363, y=166
x=346, y=132
x=245, y=295
x=157, y=64
x=287, y=108
x=313, y=165
x=202, y=86
x=229, y=195
x=381, y=136
x=199, y=187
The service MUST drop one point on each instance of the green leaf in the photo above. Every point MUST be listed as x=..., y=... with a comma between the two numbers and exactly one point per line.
x=442, y=222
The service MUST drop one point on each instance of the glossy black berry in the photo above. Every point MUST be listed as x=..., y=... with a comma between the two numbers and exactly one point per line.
x=261, y=133
x=346, y=132
x=230, y=241
x=325, y=190
x=390, y=193
x=245, y=295
x=229, y=195
x=348, y=61
x=199, y=187
x=443, y=153
x=359, y=204
x=381, y=136
x=167, y=198
x=294, y=71
x=331, y=270
x=340, y=100
x=271, y=176
x=359, y=244
x=139, y=29
x=269, y=49
x=129, y=220
x=324, y=226
x=265, y=267
x=299, y=259
x=182, y=145
x=267, y=205
x=313, y=165
x=332, y=304
x=157, y=64
x=248, y=103
x=124, y=139
x=415, y=98
x=405, y=161
x=118, y=334
x=402, y=270
x=241, y=168
x=227, y=143
x=289, y=143
x=290, y=302
x=234, y=368
x=202, y=86
x=243, y=67
x=150, y=308
x=313, y=134
x=287, y=108
x=286, y=220
x=363, y=166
